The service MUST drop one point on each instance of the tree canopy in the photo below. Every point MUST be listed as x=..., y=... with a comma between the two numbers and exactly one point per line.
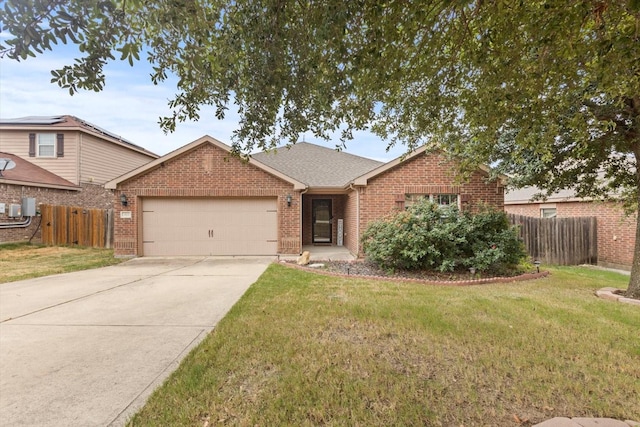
x=548, y=91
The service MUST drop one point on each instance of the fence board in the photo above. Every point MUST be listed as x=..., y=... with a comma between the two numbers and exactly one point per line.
x=73, y=225
x=561, y=241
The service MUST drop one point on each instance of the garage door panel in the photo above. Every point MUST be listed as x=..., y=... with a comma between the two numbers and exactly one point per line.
x=209, y=227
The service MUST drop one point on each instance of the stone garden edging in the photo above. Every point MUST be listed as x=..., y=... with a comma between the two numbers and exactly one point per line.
x=470, y=282
x=615, y=294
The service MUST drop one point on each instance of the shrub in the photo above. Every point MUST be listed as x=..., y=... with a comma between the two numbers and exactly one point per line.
x=427, y=236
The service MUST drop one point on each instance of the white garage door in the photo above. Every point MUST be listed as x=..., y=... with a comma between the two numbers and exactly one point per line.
x=209, y=227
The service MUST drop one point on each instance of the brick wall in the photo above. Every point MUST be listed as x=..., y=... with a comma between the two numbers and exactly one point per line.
x=205, y=171
x=424, y=174
x=616, y=231
x=351, y=236
x=88, y=196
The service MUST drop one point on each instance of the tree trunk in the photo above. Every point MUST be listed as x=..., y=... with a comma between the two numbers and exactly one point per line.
x=634, y=282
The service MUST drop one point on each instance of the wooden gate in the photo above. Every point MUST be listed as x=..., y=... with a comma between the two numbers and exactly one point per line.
x=73, y=225
x=559, y=241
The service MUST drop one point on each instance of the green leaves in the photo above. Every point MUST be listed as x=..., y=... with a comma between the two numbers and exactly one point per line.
x=444, y=239
x=547, y=90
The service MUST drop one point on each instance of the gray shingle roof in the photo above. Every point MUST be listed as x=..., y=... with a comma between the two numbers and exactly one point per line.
x=317, y=166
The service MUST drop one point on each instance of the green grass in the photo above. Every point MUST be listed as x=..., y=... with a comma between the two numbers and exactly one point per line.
x=20, y=261
x=303, y=349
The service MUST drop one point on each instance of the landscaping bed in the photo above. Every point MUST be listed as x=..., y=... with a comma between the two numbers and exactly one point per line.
x=368, y=269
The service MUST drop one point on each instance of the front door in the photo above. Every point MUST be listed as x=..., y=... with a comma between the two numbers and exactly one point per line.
x=321, y=211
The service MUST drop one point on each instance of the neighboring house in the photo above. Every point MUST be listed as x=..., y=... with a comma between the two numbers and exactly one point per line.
x=616, y=231
x=203, y=200
x=60, y=160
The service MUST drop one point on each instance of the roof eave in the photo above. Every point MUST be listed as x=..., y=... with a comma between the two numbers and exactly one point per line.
x=363, y=179
x=39, y=184
x=549, y=200
x=501, y=177
x=328, y=190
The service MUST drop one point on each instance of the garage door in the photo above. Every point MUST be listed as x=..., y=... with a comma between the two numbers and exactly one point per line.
x=209, y=227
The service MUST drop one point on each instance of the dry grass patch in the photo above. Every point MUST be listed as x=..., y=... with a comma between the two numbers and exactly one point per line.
x=23, y=261
x=305, y=349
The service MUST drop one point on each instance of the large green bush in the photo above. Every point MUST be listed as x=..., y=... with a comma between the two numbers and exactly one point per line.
x=427, y=236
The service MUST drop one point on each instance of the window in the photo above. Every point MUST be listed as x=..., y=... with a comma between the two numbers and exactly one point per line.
x=548, y=213
x=442, y=200
x=445, y=199
x=46, y=145
x=412, y=199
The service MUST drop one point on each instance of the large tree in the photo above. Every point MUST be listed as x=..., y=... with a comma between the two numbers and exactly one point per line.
x=546, y=90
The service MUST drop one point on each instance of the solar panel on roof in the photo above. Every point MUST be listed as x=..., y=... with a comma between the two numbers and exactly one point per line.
x=104, y=132
x=33, y=120
x=51, y=120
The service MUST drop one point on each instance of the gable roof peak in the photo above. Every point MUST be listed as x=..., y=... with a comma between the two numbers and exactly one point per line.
x=206, y=139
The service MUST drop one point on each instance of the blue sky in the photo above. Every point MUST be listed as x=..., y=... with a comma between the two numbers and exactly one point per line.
x=129, y=106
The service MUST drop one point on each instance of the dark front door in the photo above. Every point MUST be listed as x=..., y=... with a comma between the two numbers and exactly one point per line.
x=321, y=211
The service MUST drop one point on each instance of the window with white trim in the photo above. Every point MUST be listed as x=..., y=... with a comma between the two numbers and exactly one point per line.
x=548, y=213
x=442, y=200
x=46, y=145
x=445, y=199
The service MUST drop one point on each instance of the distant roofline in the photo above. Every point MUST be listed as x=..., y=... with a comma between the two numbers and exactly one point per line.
x=31, y=122
x=39, y=184
x=49, y=181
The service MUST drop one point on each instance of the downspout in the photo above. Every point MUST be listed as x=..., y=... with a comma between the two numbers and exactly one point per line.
x=78, y=160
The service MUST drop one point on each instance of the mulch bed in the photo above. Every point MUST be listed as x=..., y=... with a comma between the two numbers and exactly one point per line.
x=368, y=270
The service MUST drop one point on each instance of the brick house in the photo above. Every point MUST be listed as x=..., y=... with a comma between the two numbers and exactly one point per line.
x=616, y=231
x=202, y=200
x=59, y=160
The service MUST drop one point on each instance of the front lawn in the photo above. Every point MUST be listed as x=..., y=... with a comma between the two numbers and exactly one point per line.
x=19, y=261
x=305, y=349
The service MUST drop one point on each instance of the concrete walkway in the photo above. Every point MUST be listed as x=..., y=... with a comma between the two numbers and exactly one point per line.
x=88, y=348
x=323, y=253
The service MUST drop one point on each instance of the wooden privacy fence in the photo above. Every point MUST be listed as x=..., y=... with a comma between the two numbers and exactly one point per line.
x=73, y=225
x=561, y=241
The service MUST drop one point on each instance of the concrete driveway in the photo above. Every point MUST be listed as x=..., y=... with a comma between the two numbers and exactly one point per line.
x=88, y=348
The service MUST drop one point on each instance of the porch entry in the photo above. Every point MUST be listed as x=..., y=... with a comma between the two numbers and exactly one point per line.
x=321, y=220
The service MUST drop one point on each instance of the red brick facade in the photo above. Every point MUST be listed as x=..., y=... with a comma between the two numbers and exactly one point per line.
x=205, y=172
x=426, y=174
x=351, y=236
x=616, y=231
x=88, y=196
